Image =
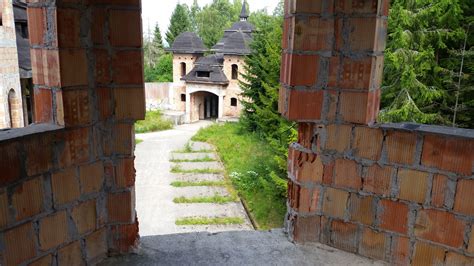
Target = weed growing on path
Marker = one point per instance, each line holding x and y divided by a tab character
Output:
214	199
209	221
176	169
198	184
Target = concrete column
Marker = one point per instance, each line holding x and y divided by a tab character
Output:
221	107
188	108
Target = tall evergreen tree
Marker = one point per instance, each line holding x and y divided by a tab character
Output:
157	38
418	36
179	23
261	85
193	13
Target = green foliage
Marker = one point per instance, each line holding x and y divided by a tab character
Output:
193	12
419	67
162	72
198	184
209	221
179	23
154	121
217	199
199	160
213	19
262	84
177	169
249	162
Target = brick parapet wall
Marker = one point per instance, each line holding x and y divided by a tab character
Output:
67	196
398	192
362	189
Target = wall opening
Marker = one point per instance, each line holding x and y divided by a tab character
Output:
233	101
235	71
183	97
203	74
11	106
183	69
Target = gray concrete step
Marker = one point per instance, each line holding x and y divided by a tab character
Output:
198	177
232	209
190	192
201	146
193	156
189	166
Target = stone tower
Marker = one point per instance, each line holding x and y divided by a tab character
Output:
11	113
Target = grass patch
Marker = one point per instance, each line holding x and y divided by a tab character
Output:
201	160
153	122
198	184
209	221
176	169
249	163
138	141
214	199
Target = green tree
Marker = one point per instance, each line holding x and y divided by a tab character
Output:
418	37
215	18
162	72
261	85
179	23
157	38
193	13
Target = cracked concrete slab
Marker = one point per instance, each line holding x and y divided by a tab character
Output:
187	166
190	192
235	248
200	146
193	156
198	177
231	209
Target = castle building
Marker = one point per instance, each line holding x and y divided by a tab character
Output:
16	87
207	86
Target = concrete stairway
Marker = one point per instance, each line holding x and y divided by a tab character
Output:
198	162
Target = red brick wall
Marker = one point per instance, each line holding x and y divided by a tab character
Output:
67	196
399	192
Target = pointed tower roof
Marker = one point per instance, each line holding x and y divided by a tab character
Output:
244	14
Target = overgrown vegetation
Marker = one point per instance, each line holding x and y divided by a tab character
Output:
188	149
198	160
154	121
429	63
138	141
217	199
198	184
209	221
261	85
249	163
177	169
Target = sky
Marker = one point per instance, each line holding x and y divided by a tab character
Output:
160	11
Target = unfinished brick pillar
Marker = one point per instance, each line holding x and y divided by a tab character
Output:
67	183
394	192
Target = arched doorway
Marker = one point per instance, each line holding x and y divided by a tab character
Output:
11	106
204	105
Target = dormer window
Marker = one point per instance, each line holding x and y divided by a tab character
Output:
203	74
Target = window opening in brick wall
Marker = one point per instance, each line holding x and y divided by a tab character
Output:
183	69
183	97
235	71
233	101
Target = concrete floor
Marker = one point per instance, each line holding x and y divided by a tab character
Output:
159	243
234	248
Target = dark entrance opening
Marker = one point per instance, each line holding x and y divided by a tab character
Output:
211	106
